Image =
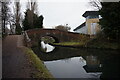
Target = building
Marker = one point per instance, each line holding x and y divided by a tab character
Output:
90	26
81	29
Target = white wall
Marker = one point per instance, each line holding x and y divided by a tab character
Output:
93	30
85	29
82	30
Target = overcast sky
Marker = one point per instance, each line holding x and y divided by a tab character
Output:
61	12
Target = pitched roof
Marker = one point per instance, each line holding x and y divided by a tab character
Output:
80	26
90	13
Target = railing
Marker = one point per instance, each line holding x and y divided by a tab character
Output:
27	37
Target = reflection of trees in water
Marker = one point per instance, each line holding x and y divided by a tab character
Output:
58	53
111	67
65	52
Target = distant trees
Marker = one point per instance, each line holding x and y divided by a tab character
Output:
110	13
35	22
32	20
17	15
5	14
63	27
14	19
96	4
9	18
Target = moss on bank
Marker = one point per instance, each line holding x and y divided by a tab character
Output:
41	70
69	43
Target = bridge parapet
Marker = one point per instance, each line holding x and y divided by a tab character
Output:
27	39
60	36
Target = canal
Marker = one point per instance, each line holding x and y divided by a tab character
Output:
65	62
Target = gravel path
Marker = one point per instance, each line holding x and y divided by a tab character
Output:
14	62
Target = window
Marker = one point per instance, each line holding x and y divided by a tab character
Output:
93	26
92	17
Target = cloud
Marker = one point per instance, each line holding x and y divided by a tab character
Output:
56	13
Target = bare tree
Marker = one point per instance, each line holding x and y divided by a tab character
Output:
32	6
96	4
17	14
5	15
12	22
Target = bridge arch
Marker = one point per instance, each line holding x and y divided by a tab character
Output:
55	38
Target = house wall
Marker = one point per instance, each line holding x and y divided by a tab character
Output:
90	27
82	30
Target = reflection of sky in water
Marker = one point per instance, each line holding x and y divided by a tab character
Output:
48	47
69	68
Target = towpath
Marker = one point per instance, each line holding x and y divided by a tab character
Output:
14	62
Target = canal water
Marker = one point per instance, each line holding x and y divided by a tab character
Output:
70	68
65	62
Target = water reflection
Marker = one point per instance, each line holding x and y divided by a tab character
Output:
46	47
71	69
66	62
111	67
92	64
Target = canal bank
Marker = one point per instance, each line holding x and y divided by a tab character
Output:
92	45
41	70
19	61
95	43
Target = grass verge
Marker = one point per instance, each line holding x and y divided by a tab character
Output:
93	43
68	43
42	71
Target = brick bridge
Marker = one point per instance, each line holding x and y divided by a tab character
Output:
58	35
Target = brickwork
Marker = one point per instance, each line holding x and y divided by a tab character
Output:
58	35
